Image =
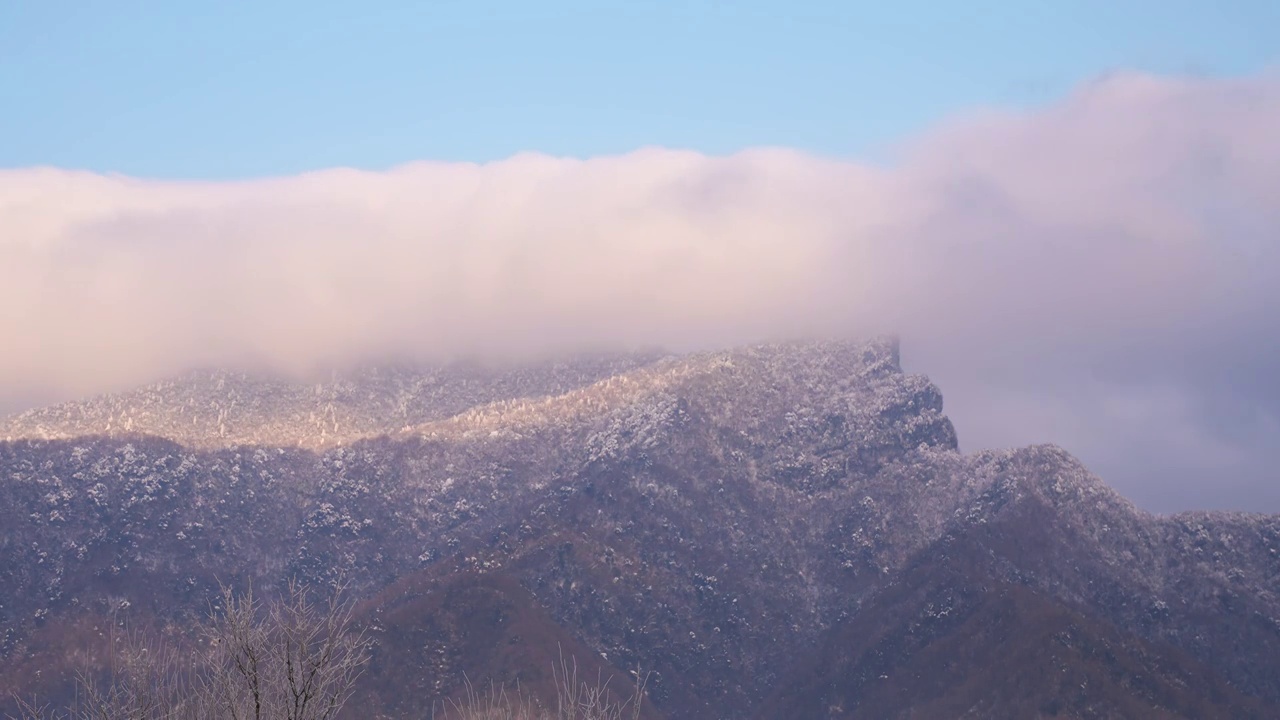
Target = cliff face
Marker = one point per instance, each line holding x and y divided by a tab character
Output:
716	518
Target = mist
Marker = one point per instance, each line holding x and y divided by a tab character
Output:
1100	273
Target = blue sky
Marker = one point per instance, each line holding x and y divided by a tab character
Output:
243	89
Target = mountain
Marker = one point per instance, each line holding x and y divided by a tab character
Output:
782	530
958	635
217	409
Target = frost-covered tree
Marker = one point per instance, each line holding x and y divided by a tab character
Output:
291	658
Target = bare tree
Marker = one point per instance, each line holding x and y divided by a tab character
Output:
579	700
144	680
292	658
575	700
298	660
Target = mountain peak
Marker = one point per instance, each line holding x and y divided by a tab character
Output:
223	408
712	516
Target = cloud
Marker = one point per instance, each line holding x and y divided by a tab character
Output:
1101	273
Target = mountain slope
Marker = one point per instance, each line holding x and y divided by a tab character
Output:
219	409
431	638
954	636
711	517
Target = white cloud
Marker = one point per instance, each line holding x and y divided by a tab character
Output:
1116	250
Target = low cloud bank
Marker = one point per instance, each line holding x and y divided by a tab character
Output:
1101	273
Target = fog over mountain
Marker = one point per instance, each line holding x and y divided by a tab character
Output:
777	531
1100	273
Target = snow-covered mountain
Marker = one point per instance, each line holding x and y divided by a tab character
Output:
721	518
216	408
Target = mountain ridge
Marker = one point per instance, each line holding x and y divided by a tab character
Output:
704	516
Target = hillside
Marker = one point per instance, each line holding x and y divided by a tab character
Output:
721	519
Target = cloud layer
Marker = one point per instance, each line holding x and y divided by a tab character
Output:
1101	273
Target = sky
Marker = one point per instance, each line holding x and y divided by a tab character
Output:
1070	216
251	88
